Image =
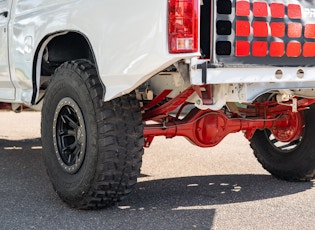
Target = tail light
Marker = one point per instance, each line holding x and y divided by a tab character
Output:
183	26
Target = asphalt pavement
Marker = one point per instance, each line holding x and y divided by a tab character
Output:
181	187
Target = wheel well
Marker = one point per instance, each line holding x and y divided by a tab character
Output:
54	50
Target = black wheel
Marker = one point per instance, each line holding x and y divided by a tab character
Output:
92	149
292	160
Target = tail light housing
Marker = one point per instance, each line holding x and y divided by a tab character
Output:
183	26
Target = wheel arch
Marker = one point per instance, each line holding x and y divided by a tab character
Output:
53	50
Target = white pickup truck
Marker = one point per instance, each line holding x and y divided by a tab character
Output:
110	75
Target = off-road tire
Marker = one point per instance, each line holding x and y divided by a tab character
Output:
294	161
92	149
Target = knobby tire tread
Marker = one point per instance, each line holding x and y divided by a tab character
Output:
296	165
119	143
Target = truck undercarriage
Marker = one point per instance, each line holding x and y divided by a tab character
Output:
206	128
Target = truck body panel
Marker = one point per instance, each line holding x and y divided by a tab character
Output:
127	52
7	91
132	51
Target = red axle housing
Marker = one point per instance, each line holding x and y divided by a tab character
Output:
207	128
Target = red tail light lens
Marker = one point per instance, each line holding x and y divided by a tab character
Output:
183	26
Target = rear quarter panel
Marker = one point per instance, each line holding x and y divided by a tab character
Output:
128	38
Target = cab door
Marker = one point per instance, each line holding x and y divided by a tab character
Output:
7	91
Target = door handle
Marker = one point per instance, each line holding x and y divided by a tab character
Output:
4	14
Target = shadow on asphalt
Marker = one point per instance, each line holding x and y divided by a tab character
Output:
27	200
